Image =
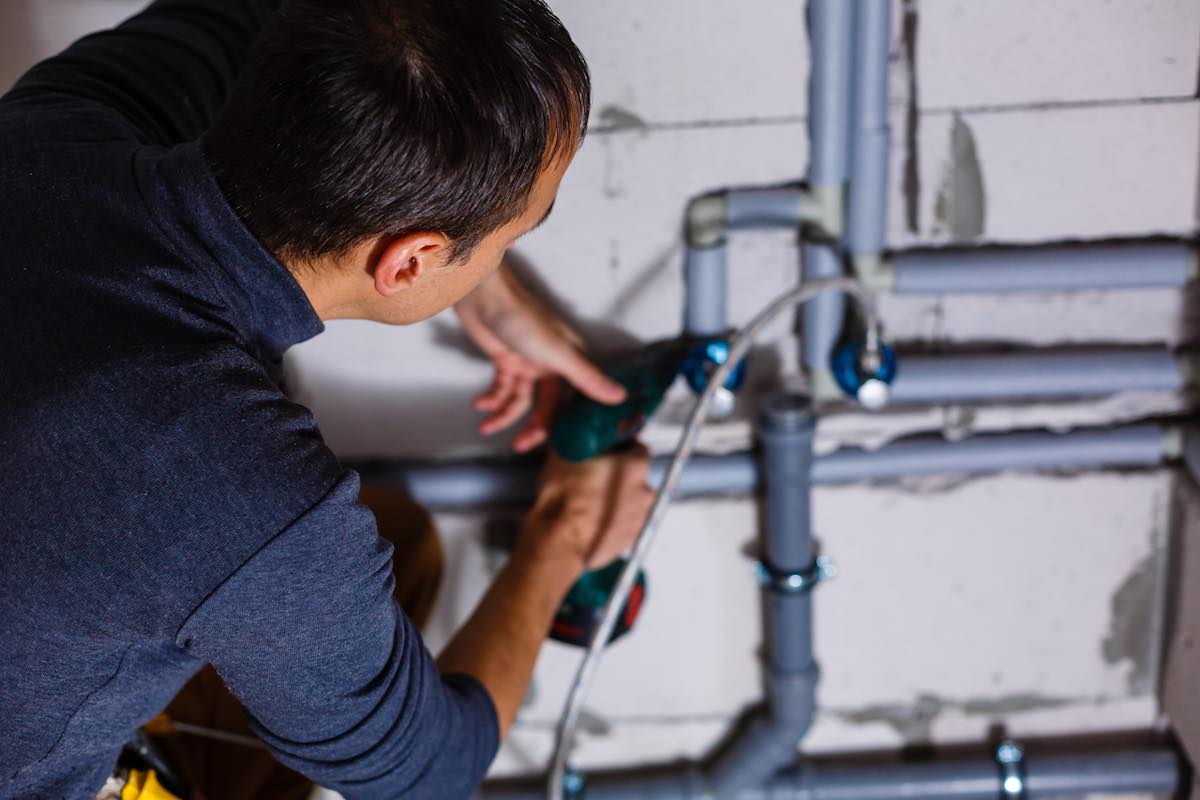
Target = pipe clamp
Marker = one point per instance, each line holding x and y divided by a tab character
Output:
1010	757
802	582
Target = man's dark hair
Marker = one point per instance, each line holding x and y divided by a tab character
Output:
362	118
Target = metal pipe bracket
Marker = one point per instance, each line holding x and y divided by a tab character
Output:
802	582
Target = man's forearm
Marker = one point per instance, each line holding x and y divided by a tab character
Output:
499	644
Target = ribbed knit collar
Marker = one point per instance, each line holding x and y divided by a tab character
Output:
267	306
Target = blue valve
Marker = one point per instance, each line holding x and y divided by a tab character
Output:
704	359
868	384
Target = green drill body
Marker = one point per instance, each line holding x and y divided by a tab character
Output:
583	429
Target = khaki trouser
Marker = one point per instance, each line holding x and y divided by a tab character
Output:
224	771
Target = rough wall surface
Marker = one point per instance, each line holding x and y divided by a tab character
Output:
1031	601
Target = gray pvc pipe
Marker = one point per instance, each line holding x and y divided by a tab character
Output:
773	207
830	32
866	216
1154	771
458	485
1044	269
1096	773
510	483
831	45
769	742
1016	376
1157	772
705	311
678	782
826	313
786	428
1126	446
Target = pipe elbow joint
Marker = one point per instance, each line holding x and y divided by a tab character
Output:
792	702
875	273
823	210
704	220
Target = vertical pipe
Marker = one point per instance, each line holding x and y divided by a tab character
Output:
866	216
705	311
769	743
786	426
830	24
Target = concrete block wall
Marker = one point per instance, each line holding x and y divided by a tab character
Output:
1032	601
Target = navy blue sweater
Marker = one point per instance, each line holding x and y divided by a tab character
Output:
162	503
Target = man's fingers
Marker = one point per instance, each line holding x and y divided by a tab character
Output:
530	437
497	393
637	470
516	406
537	429
585	376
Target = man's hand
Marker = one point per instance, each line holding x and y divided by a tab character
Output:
530	349
593	509
585	515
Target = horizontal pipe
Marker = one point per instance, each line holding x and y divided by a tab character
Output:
773	207
1044	269
1127	446
510	483
1154	771
1040	375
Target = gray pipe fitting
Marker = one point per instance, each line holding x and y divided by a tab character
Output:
704	221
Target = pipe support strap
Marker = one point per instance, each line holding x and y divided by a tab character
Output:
802	582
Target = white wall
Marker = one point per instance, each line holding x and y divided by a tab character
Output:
1028	600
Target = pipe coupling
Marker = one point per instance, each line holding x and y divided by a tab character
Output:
704	224
875	273
824	211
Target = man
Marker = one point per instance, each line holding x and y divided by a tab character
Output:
162	503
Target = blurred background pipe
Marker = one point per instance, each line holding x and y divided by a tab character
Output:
1039	375
831	38
510	483
1146	265
1096	773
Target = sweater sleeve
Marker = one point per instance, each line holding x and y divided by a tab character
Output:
163	74
335	679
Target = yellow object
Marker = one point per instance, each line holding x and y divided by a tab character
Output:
145	786
159	726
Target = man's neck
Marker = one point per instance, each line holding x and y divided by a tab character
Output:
328	286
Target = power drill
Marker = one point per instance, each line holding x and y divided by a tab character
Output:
584	429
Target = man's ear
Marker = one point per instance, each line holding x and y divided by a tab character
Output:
402	261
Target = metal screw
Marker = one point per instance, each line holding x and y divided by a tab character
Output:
1009	752
573	782
826	568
